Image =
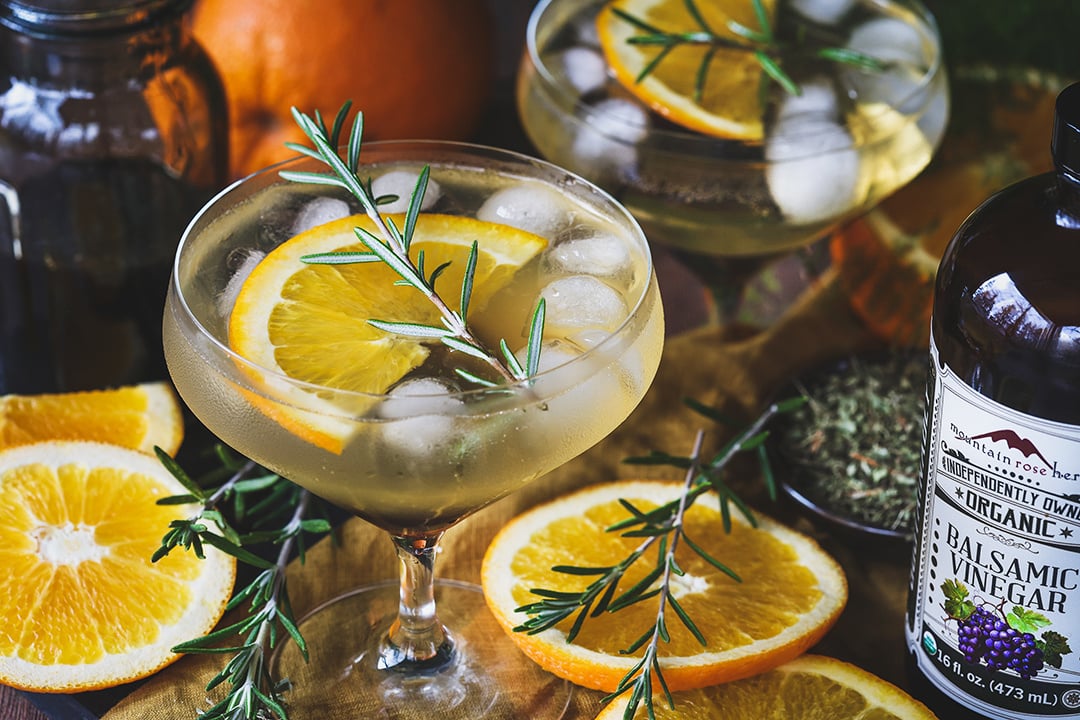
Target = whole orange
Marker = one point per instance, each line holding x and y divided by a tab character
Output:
416	68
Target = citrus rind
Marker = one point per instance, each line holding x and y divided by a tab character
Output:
137	416
814	684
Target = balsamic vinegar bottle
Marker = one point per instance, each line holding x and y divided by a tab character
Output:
993	617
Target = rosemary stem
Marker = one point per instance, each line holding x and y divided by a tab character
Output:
461	330
754	428
676	532
264	639
227	486
452	320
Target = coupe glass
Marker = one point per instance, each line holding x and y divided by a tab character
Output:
727	207
415	463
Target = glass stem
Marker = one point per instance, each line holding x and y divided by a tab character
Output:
417	641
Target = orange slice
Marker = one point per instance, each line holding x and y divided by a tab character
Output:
791	591
810	687
730	105
137	417
81	605
310	322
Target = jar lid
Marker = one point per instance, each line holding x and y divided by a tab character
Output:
1065	140
78	17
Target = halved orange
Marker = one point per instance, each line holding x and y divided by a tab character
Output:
135	416
310	322
730	104
811	687
81	605
791	591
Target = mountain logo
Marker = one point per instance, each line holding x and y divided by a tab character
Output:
1015	442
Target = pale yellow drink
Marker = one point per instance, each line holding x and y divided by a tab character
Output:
418	460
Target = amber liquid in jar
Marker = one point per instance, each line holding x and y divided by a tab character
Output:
993	620
82	293
113	133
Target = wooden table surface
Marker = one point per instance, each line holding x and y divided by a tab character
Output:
14	706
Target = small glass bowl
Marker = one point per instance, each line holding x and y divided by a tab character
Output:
851	456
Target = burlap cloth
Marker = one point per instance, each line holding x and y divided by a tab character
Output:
736	375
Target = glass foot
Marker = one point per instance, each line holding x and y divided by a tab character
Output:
488	677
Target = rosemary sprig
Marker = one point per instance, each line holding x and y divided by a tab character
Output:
770	51
393	246
280	514
661	528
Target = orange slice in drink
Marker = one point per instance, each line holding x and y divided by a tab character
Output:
310	322
730	102
81	605
137	417
791	592
811	687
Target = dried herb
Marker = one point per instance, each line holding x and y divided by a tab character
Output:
854	449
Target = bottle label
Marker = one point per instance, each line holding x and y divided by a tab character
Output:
994	609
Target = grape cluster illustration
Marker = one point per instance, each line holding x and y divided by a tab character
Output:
1002	640
986	636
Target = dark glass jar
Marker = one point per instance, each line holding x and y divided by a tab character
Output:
113	133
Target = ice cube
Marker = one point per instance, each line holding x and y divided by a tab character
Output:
420	415
244	265
552	355
817	99
555	354
601	254
904	50
889	40
605	146
317	212
530	207
619	118
813	170
572	387
584	69
583	30
936	115
603	160
420	396
402	183
589	338
826	12
581	301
